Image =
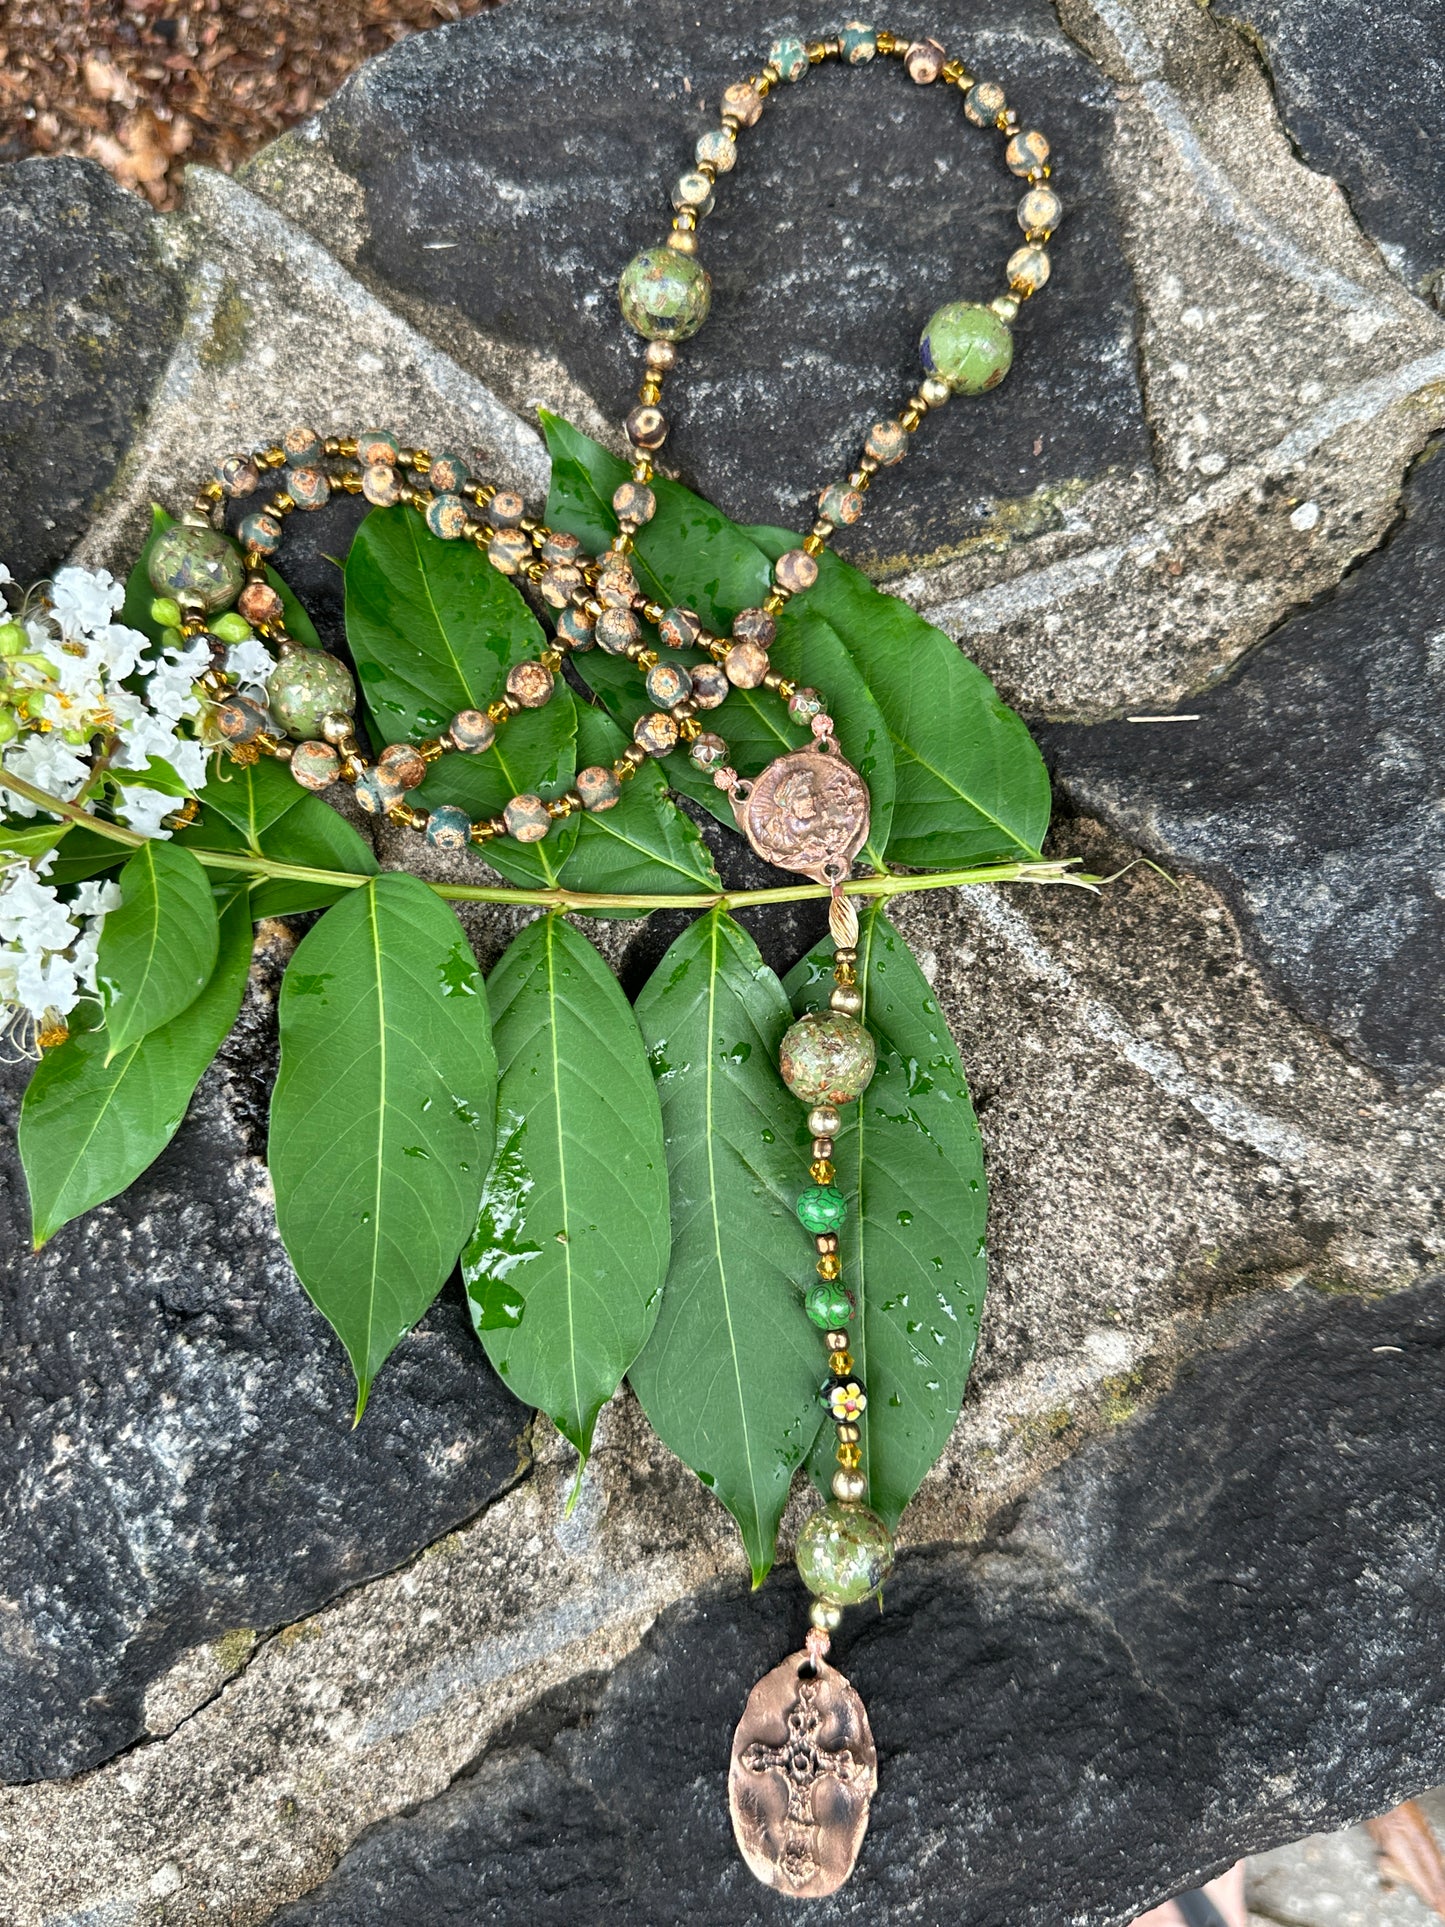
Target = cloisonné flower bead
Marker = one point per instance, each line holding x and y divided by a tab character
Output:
240	720
380	484
709	685
598	788
574	627
530	684
195	565
886	442
237	474
258	602
1027	269
923	62
804	705
746	664
402	763
448	474
860	42
795	571
984	102
302	446
844	1553
667	683
827	1057
615	631
315	765
707	751
308	488
840	504
656	732
509	549
679	629
828	1305
822	1207
1040	209
376	793
742	102
664	295
375	448
755	625
305	686
446	516
718	150
845	1399
1025	152
506	509
968	346
448	828
526	818
472	731
260	531
789	56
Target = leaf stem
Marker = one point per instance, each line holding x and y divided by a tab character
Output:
886	885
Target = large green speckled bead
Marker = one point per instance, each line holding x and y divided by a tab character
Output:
827	1057
195	565
306	686
844	1553
664	295
967	346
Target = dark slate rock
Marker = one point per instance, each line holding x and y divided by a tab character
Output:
1215	1630
1359	90
541	142
1309	791
176	1452
91	314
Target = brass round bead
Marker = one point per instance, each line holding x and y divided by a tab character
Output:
825	1615
824	1121
822	1147
661	356
846	999
849	1488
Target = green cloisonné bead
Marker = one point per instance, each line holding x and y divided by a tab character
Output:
822	1207
828	1305
305	687
195	565
968	346
449	828
844	1553
446	516
827	1057
664	295
860	42
448	474
789	56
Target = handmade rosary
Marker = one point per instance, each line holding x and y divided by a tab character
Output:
803	1763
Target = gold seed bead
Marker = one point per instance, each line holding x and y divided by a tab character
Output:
645	658
273	457
956	74
816	50
653	612
481	832
213	491
821	1171
849	1433
682	241
837	1342
822	1148
281	503
911	417
787	690
826	1241
830	1266
840	1363
558	808
850	1456
886	43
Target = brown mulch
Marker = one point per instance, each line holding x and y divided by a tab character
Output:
147	86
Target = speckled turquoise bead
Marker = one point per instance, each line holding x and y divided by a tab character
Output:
195	565
574	627
448	828
1040	210
380	484
789	56
828	1305
664	295
679	629
718	149
472	731
668	683
860	42
448	474
301	445
840	505
844	1553
308	487
822	1207
615	631
827	1057
315	765
306	686
886	442
237	474
968	346
655	732
446	516
526	818
375	446
598	788
984	102
376	793
261	532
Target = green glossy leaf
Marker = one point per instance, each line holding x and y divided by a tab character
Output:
910	1163
383	1117
158	949
26	838
730	1377
565	1271
91	1122
433	627
535	753
139	593
644	844
252	796
83	853
311	834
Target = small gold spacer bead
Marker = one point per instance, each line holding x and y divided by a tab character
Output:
689	729
886	43
821	1171
850	1456
956	74
816	50
481	833
647	659
814	544
844	973
432	748
775	604
281	503
830	1265
642	471
347	445
273	457
787	690
560	807
840	1363
498	712
406	817
650	392
682	241
551	659
213	491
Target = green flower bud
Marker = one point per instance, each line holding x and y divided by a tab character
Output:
9	728
166	612
30	704
231	627
75	737
12	638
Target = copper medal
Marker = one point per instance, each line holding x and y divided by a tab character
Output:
807	812
803	1774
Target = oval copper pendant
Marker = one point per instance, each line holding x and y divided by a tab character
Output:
807	812
802	1778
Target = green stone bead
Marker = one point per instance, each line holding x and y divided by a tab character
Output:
664	295
844	1553
822	1207
967	346
828	1305
195	565
827	1057
305	687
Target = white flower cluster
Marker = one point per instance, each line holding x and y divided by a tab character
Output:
48	947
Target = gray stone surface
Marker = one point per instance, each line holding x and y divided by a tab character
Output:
1364	108
1334	1880
178	1473
91	313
